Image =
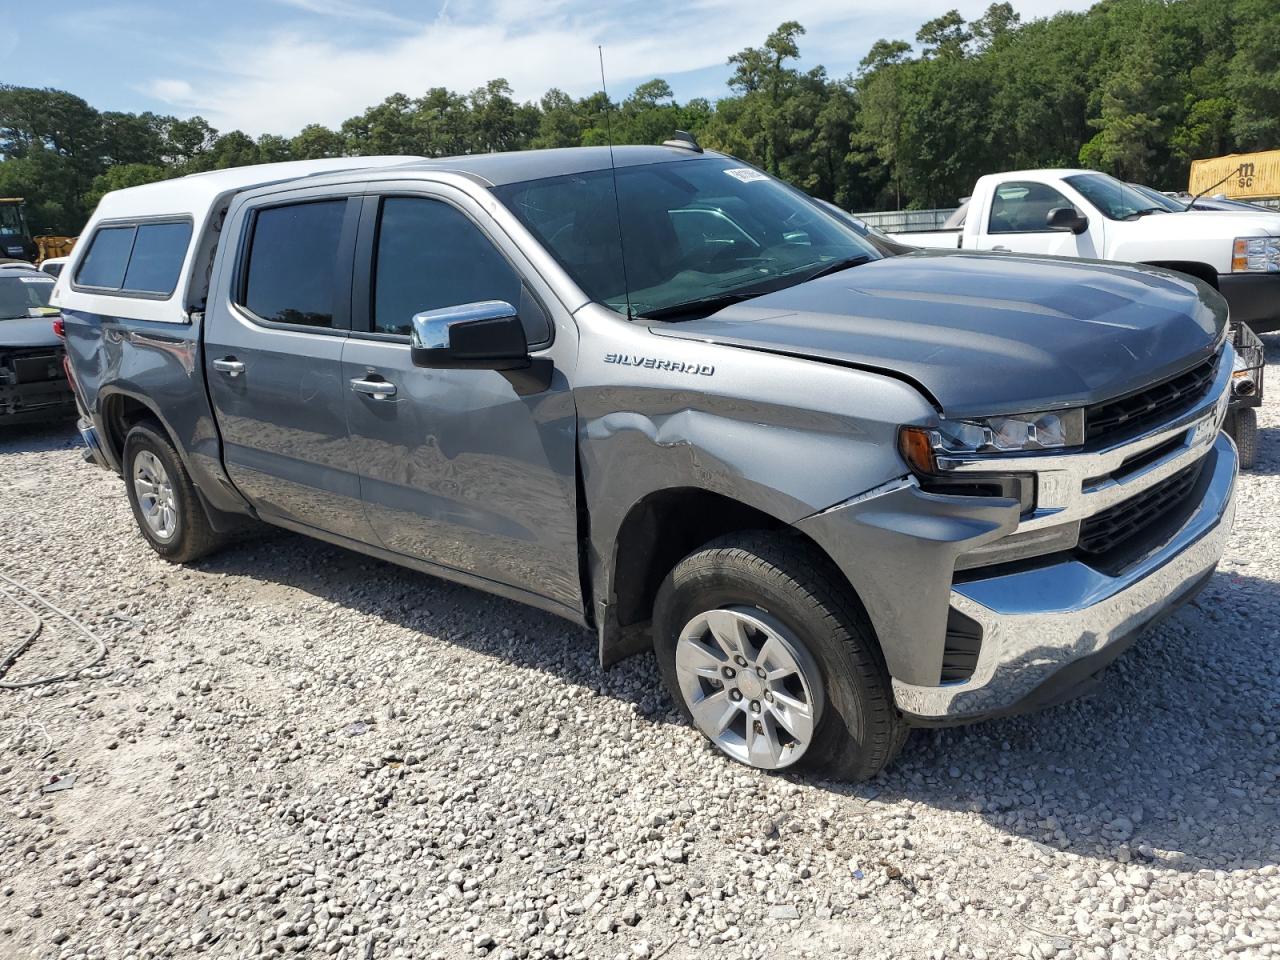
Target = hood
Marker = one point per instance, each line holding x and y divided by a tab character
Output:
985	334
1205	225
28	332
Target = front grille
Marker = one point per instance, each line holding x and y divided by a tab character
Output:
1102	532
1151	405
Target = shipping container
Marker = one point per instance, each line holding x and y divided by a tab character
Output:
1249	176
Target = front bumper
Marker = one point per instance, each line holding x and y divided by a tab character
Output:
1040	625
1254	298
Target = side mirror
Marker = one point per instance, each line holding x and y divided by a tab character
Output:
1066	218
487	335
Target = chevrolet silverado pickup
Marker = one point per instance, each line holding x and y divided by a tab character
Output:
660	393
1083	213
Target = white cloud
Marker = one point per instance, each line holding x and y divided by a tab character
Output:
346	10
178	92
289	79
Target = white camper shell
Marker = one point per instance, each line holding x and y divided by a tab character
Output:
199	200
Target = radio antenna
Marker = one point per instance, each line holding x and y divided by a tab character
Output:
613	170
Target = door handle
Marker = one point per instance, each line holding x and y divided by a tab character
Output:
1005	249
229	365
378	389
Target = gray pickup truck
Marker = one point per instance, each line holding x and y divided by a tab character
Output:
838	494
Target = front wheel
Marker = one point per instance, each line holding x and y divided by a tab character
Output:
764	648
1243	427
164	500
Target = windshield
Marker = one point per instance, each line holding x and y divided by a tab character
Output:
1159	199
22	297
1116	199
11	224
694	232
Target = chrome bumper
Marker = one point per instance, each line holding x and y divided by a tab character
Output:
1037	622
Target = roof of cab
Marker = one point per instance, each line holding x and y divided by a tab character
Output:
197	192
497	169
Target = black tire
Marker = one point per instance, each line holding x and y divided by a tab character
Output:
860	730
193	537
1244	431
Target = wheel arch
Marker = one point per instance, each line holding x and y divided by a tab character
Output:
1194	268
657	532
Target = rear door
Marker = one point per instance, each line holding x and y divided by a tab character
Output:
273	359
1015	220
457	468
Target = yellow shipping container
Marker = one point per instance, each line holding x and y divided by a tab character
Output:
1249	176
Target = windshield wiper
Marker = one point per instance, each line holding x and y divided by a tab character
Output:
1144	211
835	266
703	305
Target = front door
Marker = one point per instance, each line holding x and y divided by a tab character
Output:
273	359
456	467
1017	222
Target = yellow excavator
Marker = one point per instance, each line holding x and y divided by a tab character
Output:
16	241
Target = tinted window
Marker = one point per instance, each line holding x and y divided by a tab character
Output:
1023	207
292	272
158	252
108	258
429	256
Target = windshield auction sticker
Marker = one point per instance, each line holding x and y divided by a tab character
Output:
746	174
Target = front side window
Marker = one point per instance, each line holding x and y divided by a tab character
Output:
1024	207
1114	198
693	232
292	271
429	256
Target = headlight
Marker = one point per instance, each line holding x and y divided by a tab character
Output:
921	446
1256	255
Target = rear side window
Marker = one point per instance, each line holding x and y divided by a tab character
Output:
108	258
156	261
144	258
292	271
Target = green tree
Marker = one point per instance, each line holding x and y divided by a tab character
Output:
316	141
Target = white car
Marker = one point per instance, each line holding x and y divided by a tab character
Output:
1083	213
53	266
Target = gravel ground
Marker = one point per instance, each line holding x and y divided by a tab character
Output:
292	749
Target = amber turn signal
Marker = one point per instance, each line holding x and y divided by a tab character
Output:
916	446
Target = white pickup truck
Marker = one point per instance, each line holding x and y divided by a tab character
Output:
1083	213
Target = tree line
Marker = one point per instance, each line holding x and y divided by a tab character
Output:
1137	88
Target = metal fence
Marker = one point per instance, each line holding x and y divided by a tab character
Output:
906	221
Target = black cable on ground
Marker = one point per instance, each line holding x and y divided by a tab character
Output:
100	646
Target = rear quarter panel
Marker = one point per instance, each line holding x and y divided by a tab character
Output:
158	365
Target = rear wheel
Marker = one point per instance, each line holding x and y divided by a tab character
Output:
769	656
164	500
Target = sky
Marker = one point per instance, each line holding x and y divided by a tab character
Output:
273	66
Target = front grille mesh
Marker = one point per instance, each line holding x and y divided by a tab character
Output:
1150	406
1106	530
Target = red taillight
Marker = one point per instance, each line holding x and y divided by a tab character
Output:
59	328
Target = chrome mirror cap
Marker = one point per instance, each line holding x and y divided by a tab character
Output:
430	329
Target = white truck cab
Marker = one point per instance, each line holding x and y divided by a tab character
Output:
1084	213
